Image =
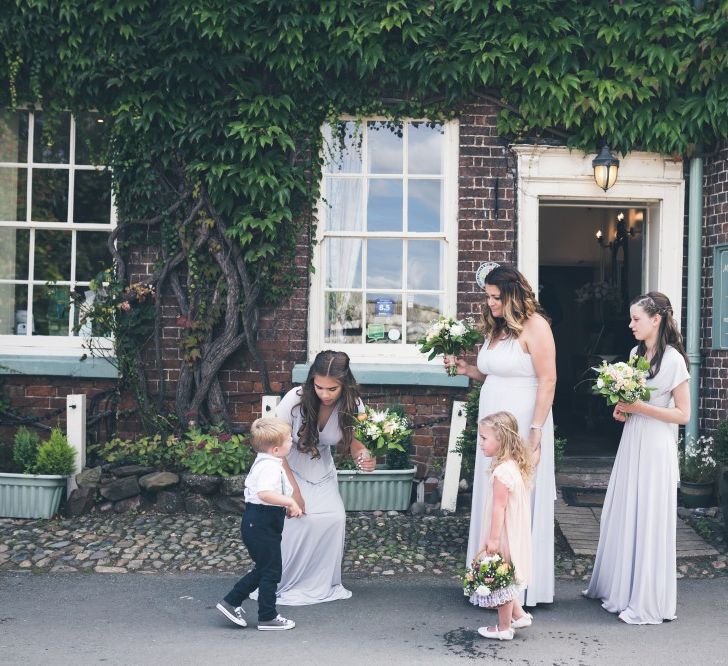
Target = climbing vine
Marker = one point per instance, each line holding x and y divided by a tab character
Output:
214	110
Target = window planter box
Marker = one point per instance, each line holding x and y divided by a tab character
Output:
380	490
695	495
30	495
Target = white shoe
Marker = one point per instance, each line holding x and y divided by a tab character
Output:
526	620
494	632
278	623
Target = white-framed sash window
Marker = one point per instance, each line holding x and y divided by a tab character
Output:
386	258
56	213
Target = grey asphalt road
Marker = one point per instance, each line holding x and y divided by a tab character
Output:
171	619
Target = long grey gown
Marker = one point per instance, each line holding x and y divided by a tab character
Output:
510	385
313	545
634	571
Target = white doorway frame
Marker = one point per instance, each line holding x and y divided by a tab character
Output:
550	174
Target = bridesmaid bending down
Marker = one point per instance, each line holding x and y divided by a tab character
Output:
634	571
321	414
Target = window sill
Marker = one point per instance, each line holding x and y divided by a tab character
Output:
57	366
414	374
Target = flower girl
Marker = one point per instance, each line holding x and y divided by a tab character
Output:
506	520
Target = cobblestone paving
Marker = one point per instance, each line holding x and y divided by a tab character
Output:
378	544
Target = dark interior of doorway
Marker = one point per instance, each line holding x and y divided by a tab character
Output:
586	281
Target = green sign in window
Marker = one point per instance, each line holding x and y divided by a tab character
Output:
720	297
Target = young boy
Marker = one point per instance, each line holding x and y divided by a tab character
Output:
267	500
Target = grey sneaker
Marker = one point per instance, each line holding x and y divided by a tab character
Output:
278	623
233	614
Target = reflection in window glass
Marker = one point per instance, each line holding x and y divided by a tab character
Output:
343	317
422	310
425	146
51	138
90	130
13	136
13	309
343	265
342	147
384	264
50	195
83	325
14	244
384	319
52	255
424	264
424	202
13	194
51	307
384	204
342	199
92	197
92	254
385	145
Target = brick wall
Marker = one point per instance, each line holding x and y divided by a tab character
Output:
714	370
486	228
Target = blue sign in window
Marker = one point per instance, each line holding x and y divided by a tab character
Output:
720	297
384	307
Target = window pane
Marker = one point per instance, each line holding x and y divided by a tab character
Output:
13	309
83	298
92	254
384	205
13	191
50	195
384	264
343	257
51	306
342	147
342	198
92	197
385	145
14	254
384	319
422	310
424	203
424	266
13	136
51	138
90	130
425	148
52	255
343	317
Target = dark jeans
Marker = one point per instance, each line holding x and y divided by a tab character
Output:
261	530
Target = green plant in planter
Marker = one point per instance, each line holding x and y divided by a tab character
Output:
155	451
697	462
25	451
56	456
216	453
720	442
396	459
467	443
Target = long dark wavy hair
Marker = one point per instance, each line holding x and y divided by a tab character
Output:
519	303
335	365
656	303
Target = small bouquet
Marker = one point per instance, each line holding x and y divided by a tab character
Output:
626	382
450	336
381	430
490	574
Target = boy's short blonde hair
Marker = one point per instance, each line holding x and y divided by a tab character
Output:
268	432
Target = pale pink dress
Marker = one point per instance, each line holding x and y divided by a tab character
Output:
515	540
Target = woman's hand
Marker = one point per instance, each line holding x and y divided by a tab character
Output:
629	407
365	461
618	415
298	500
452	361
534	439
294	509
491	547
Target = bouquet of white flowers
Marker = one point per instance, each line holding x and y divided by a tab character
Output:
697	460
450	336
488	575
381	430
625	382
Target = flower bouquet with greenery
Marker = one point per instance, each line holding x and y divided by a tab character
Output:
698	462
450	336
381	430
625	382
489	579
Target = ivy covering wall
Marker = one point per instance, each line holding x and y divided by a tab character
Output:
214	111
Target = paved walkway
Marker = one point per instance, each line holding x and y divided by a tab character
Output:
580	527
